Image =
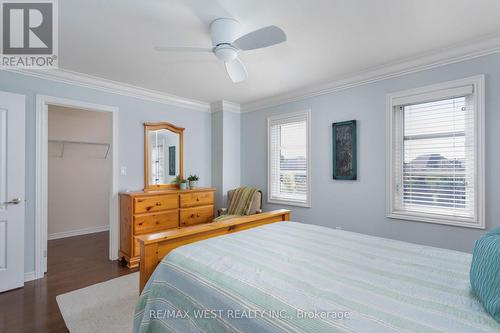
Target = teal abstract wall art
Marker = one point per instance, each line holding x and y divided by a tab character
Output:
344	145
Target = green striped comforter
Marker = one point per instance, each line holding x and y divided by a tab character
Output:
293	277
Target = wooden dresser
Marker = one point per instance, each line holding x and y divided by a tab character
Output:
154	211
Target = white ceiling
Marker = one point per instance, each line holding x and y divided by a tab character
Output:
327	39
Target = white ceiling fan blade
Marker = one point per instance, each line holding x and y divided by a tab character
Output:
236	70
182	49
257	39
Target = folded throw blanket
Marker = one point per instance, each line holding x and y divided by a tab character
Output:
240	202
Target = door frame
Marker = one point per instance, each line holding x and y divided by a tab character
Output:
41	183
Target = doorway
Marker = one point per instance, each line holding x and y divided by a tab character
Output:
79	171
76	180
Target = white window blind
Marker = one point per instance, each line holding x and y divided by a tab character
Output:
288	159
438	158
435	166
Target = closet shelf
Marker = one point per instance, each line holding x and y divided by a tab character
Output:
69	142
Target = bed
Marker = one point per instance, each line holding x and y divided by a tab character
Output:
294	277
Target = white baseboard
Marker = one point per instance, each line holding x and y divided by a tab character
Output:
29	276
78	232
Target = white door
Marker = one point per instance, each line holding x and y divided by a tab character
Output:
12	163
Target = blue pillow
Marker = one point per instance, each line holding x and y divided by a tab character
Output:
485	272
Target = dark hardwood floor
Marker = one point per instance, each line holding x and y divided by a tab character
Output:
73	263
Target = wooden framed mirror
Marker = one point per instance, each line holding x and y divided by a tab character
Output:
163	153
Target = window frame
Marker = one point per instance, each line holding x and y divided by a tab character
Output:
270	121
427	94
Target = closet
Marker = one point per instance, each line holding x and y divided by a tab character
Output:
79	171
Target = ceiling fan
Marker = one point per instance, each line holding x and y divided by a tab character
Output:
227	43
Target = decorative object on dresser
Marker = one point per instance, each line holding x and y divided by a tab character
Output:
146	212
193	181
180	182
183	185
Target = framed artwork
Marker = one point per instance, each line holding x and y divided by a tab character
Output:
171	161
344	150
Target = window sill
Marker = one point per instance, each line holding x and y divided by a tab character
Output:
428	218
289	203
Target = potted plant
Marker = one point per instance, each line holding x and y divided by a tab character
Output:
183	185
193	181
181	182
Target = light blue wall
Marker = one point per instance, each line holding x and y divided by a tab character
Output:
132	113
360	205
232	154
226	168
217	156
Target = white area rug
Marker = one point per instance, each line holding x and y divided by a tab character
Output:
103	307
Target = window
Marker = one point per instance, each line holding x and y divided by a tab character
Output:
289	167
436	154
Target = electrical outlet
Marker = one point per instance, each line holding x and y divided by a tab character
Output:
123	171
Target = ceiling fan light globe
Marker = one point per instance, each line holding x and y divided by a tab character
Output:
226	53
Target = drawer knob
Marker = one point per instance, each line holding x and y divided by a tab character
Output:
192	215
197	199
158	203
157	222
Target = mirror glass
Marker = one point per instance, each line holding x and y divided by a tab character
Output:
164	163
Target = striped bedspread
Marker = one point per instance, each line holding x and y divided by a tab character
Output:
293	277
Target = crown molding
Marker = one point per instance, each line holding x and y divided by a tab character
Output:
454	54
113	87
226	106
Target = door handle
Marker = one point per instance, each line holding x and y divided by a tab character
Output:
15	201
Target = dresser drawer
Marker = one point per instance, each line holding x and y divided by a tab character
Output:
156	222
196	215
196	199
156	203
